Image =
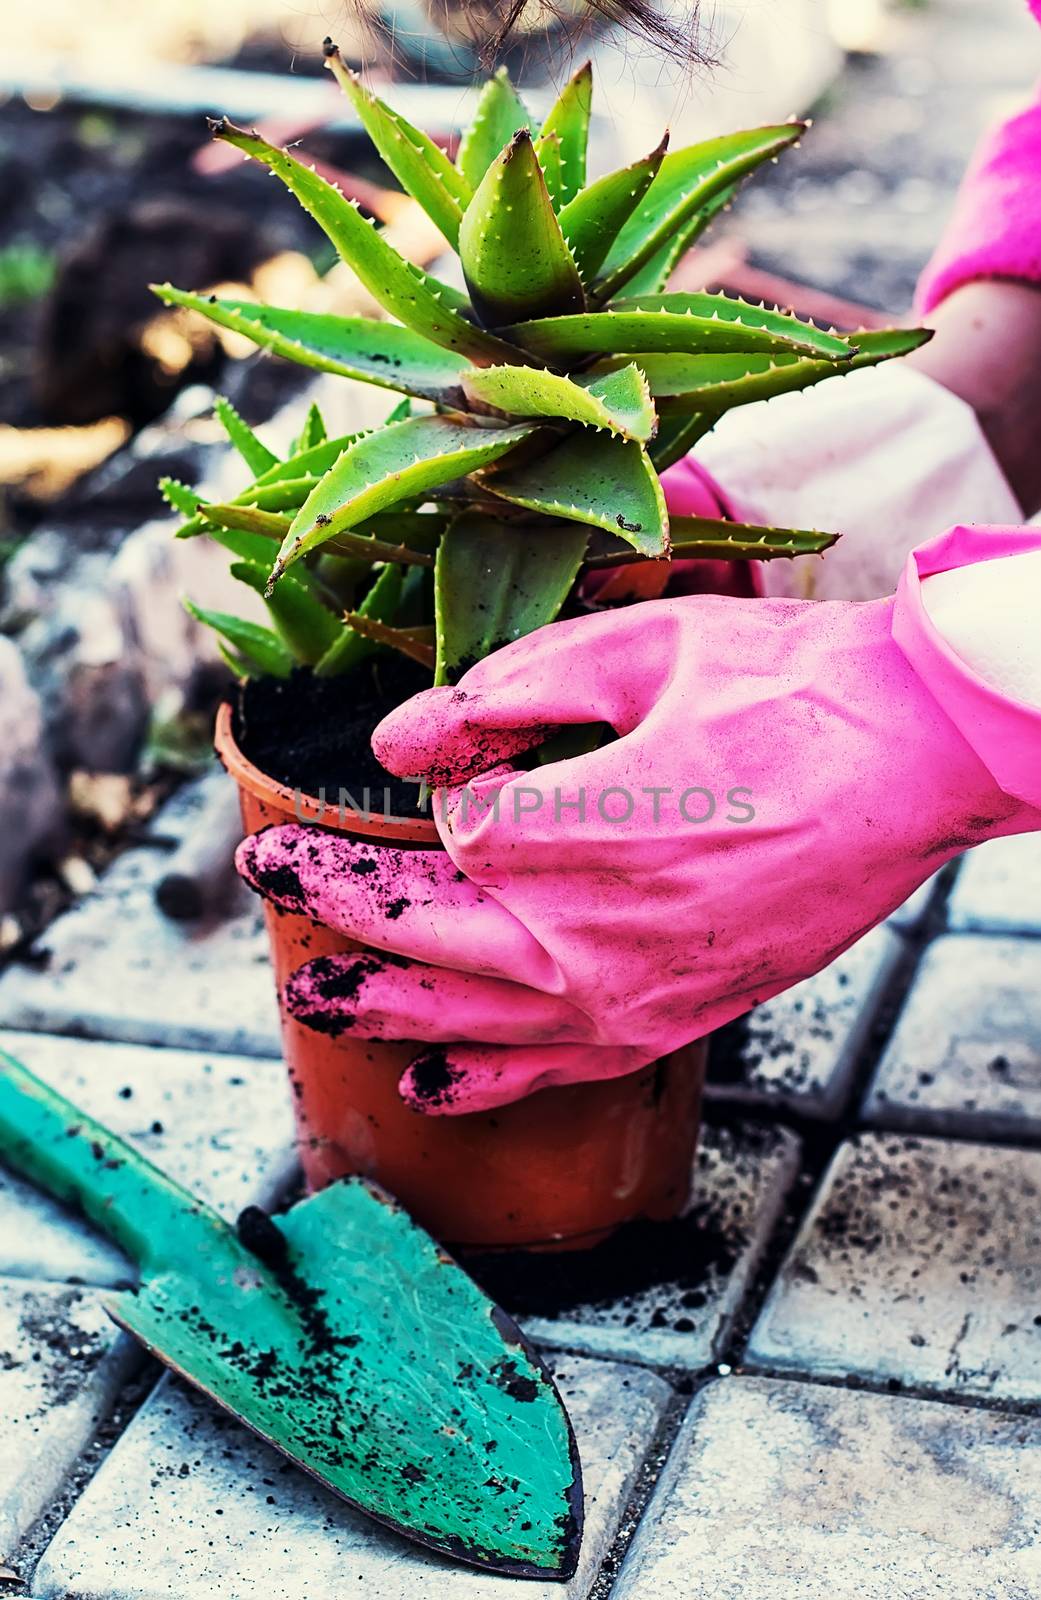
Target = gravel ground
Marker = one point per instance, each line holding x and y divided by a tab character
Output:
859	207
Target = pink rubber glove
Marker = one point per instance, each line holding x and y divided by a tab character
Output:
995	231
814	763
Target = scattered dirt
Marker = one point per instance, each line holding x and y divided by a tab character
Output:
47	1323
313	733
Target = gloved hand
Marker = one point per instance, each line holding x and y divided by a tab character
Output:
785	775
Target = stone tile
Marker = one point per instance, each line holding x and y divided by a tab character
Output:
119	969
919	1263
800	1050
790	1491
189	1504
221	1125
62	1363
999	887
666	1294
965	1056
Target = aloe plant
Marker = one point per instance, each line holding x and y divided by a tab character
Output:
539	408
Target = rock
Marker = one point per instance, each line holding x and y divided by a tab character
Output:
30	800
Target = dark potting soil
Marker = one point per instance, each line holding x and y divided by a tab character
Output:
313	733
678	1258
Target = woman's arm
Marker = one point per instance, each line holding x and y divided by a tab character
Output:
987	350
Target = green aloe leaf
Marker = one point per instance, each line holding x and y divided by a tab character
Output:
887	344
238	665
420	301
180	497
688	180
389	466
284	487
677	435
717	383
500	113
419	530
313	431
591	221
702	538
619	401
547	154
253	451
281	494
420	166
677	324
656	271
753	328
254	508
309	463
248	520
305	626
417	643
381	604
257	548
608	483
381	353
568	120
258	646
494	584
253	535
515	260
706	539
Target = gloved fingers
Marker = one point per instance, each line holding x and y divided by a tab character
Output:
449	1080
691	491
414	902
381	996
580	671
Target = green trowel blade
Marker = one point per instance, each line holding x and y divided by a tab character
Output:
382	1370
338	1331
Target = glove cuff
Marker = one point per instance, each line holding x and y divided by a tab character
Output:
995	231
1004	733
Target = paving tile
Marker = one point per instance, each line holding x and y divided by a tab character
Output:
919	1263
792	1491
800	1050
119	969
666	1294
221	1125
998	887
965	1056
190	1505
62	1363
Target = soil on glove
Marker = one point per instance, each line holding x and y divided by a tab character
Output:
313	733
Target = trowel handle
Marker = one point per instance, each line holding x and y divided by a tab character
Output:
51	1142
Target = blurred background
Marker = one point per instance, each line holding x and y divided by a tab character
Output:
108	180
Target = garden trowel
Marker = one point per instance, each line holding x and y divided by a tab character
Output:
338	1331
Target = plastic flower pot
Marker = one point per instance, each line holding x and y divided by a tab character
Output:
560	1169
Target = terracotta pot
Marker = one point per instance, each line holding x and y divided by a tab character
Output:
559	1169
